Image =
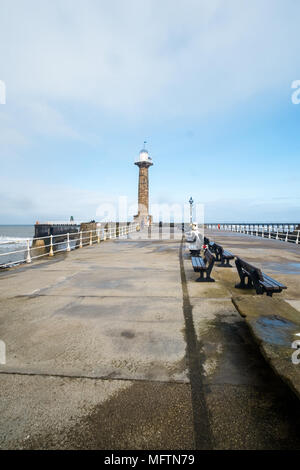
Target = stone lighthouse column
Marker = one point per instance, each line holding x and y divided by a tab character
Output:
144	162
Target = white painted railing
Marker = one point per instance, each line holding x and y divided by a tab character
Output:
71	240
282	232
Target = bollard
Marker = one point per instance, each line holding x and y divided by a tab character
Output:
51	246
277	235
28	258
160	230
287	236
98	236
80	239
68	242
91	239
297	240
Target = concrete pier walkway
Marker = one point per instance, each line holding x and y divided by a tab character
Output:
115	346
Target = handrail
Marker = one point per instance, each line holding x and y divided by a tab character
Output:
280	232
84	237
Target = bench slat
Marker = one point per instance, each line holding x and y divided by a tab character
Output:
273	280
198	263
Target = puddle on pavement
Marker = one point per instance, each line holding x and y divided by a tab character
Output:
286	268
275	330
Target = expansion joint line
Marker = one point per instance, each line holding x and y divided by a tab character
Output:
202	431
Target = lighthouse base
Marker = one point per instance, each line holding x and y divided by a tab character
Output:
143	219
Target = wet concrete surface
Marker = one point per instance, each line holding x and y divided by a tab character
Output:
115	346
275	329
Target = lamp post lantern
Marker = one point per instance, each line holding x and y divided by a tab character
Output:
191	210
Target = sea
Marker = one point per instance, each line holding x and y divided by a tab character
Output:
14	238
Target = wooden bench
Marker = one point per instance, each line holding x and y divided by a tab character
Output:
204	265
206	241
221	255
256	279
211	246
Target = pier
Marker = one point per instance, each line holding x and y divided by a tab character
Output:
115	346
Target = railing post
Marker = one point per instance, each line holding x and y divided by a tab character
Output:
287	236
91	239
68	242
297	239
28	257
80	239
98	236
277	234
51	246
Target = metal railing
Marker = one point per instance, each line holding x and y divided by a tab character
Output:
50	245
283	232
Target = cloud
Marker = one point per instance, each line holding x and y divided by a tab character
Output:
151	56
51	202
242	210
20	124
46	120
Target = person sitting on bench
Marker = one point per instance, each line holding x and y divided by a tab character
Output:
194	240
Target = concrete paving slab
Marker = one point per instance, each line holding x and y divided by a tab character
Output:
34	406
294	303
121	282
111	337
28	282
245	417
62	413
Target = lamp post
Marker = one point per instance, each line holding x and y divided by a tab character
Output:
191	210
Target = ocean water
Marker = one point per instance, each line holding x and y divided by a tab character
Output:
14	238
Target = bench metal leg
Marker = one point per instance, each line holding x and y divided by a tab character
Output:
201	278
243	284
225	265
207	278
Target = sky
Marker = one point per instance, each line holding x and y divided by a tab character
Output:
207	83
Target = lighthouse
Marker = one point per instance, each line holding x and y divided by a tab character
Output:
144	162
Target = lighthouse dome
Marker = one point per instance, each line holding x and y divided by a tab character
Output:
144	155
